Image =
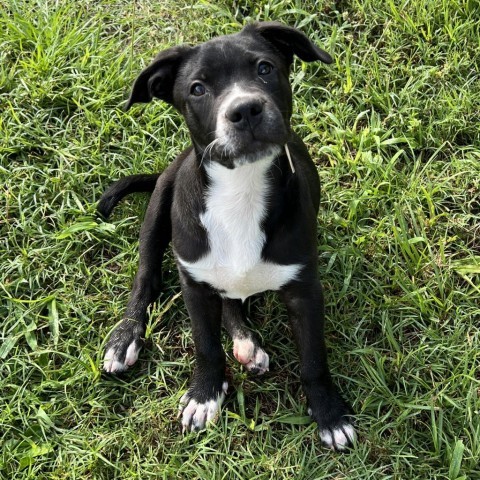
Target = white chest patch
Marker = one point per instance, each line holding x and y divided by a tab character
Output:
235	208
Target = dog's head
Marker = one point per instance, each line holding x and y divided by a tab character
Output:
233	90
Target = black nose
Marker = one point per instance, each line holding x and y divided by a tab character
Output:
244	113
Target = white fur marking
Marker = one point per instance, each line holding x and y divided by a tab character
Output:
338	438
195	416
235	208
112	364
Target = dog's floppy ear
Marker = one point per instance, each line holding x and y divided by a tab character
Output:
158	78
290	41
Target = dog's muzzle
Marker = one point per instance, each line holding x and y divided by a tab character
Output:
249	126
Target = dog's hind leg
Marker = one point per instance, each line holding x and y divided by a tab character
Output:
127	338
246	347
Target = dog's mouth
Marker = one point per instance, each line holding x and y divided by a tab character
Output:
233	154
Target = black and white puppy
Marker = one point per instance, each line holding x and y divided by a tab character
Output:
240	207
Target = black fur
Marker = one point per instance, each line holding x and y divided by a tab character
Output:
123	187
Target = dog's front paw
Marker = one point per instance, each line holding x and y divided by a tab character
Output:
196	413
339	437
335	424
251	355
123	346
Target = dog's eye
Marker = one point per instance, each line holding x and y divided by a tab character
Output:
264	68
197	89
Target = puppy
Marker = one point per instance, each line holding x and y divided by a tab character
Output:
240	208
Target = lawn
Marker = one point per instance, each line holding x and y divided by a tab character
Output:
394	128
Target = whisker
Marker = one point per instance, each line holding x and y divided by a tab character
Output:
207	150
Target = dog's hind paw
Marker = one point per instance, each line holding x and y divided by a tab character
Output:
250	355
195	414
123	347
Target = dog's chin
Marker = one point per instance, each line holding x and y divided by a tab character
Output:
268	153
233	156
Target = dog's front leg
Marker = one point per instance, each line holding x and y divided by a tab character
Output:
201	404
326	406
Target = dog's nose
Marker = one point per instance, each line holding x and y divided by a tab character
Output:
244	113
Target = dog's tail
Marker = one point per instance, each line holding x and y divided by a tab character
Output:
123	187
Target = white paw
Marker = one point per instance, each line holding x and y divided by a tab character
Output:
252	357
338	438
112	362
195	416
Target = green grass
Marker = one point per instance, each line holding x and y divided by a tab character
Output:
394	126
